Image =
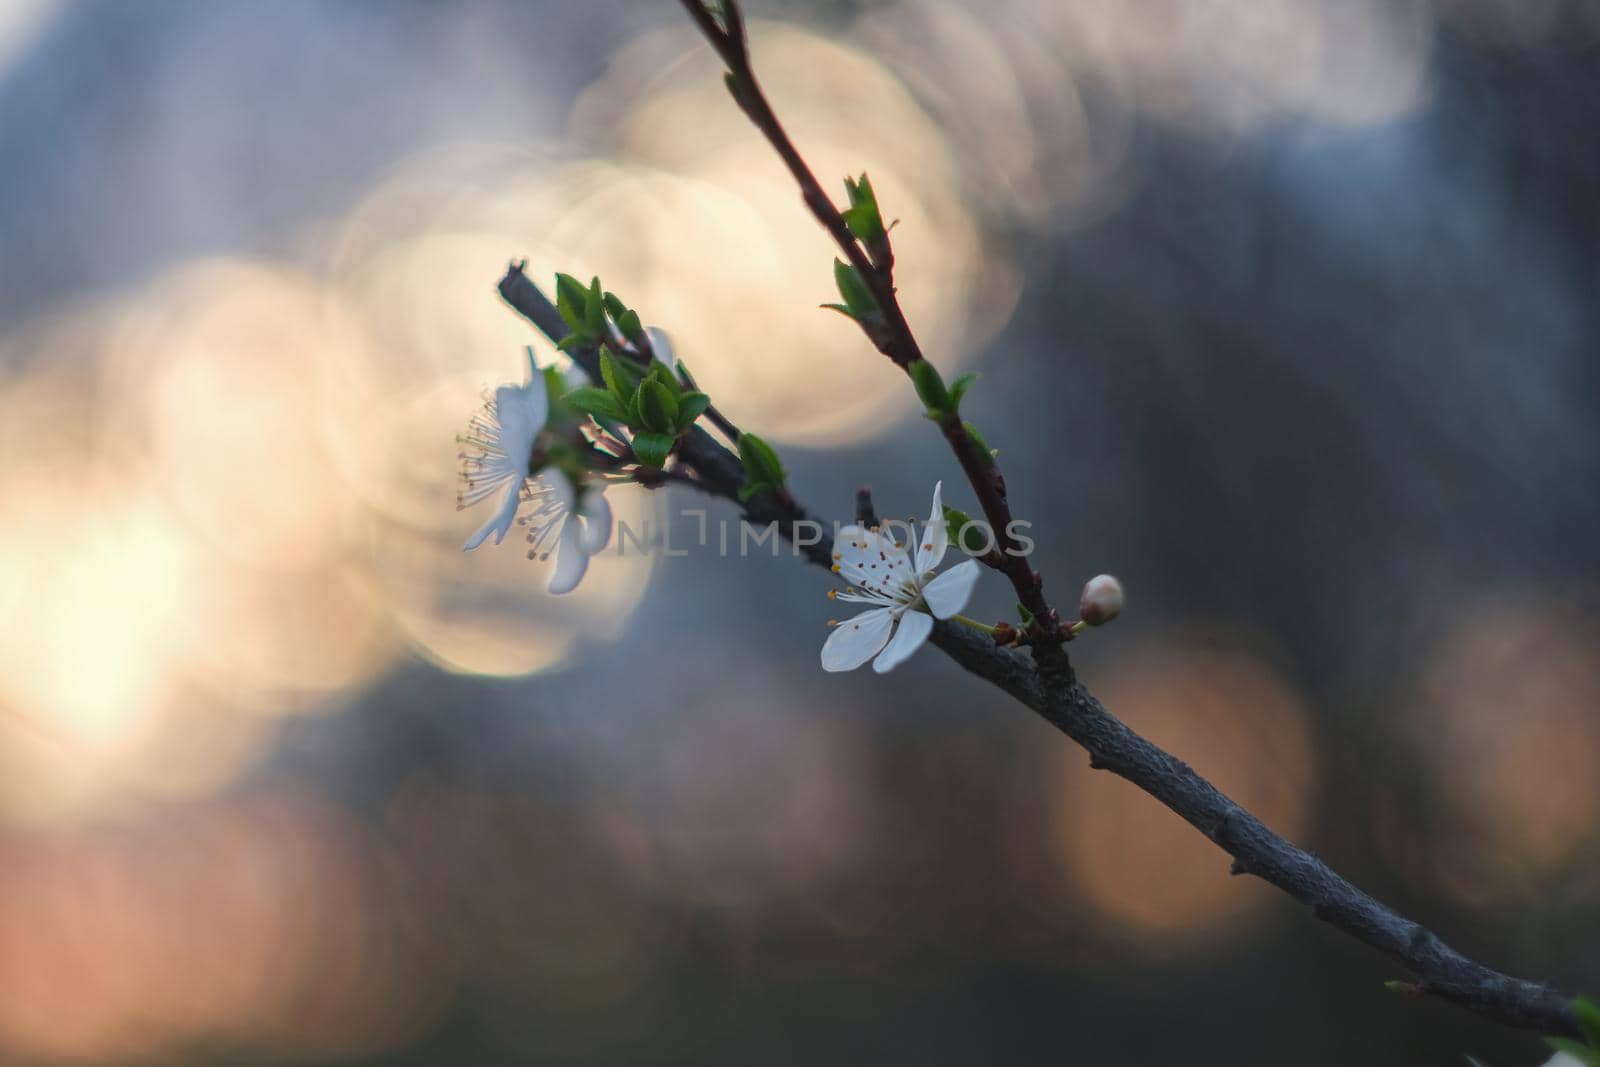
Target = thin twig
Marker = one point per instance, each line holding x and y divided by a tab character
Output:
892	335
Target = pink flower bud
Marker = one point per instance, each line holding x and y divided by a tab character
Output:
1101	601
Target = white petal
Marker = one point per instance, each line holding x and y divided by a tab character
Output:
597	521
520	410
913	630
661	345
501	521
854	641
949	593
935	538
571	559
554	487
872	560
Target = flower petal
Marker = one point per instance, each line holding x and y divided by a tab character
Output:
501	520
597	521
520	410
935	538
871	559
556	490
571	560
854	641
949	593
913	630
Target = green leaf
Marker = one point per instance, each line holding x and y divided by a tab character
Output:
660	372
857	297
691	406
1025	615
841	309
593	401
658	408
571	342
554	383
653	448
862	215
572	300
615	307
594	311
930	387
628	322
964	532
1582	1053
1588	1018
761	466
958	389
616	379
986	454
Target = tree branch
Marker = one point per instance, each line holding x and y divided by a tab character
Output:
1047	683
1056	695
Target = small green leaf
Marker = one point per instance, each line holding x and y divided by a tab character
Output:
615	378
572	300
930	387
761	464
660	372
857	297
962	530
841	309
571	343
691	406
594	311
653	448
615	307
593	401
862	215
628	322
958	389
658	408
1025	615
979	443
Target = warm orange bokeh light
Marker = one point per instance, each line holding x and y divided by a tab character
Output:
1149	878
274	920
1504	721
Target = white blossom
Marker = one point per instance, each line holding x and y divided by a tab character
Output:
498	451
902	586
572	533
570	523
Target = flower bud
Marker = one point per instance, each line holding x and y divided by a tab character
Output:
1101	601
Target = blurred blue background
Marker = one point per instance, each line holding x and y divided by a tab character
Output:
1287	311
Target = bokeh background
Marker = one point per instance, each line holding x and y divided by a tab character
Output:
1288	312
